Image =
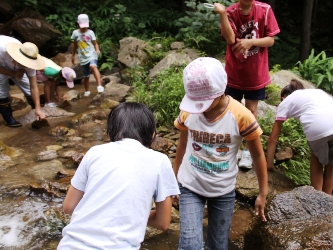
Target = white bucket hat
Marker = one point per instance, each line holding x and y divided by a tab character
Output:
204	80
26	54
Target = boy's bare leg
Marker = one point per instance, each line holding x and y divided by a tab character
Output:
47	91
86	83
328	179
316	173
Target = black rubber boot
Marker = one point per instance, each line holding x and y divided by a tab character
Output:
30	101
7	114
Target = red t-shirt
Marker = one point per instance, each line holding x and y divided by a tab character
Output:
251	73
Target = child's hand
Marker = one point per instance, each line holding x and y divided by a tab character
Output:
219	8
260	207
242	47
98	52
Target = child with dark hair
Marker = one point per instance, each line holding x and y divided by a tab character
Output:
112	190
311	107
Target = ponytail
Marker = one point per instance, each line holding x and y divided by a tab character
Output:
291	87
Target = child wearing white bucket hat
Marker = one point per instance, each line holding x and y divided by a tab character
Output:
51	75
212	126
85	44
19	62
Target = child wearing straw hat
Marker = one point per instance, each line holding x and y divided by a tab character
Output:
51	75
19	63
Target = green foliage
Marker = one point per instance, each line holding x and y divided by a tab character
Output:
273	94
318	70
200	28
292	135
163	94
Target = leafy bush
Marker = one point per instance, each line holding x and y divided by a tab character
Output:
292	135
200	28
162	94
318	70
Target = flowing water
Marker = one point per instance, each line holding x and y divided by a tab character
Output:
23	214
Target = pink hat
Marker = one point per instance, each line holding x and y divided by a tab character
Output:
204	79
83	21
69	75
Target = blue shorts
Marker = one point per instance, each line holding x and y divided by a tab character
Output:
238	94
86	67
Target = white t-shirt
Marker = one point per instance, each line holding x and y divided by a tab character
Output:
85	46
6	60
311	107
119	181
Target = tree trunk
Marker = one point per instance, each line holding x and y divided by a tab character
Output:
306	30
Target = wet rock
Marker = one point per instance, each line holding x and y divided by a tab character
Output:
47	155
298	219
65	105
72	95
109	104
17	103
61	131
89	117
56	220
49	113
65	173
45	171
54	147
41	123
43	189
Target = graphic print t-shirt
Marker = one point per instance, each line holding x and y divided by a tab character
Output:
209	165
86	49
250	73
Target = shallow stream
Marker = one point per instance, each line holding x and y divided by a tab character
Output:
22	214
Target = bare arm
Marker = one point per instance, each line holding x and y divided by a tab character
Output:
96	47
74	51
35	97
12	73
226	29
181	148
73	197
271	144
259	161
160	218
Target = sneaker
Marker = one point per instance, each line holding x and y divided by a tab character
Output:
246	160
51	105
87	93
100	89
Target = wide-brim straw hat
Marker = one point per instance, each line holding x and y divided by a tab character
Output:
26	54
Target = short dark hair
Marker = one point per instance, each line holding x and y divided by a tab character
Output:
291	87
132	120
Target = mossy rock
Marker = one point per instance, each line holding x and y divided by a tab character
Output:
273	94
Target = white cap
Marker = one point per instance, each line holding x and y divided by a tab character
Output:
83	20
204	79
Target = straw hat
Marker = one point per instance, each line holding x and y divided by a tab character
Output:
26	54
